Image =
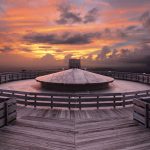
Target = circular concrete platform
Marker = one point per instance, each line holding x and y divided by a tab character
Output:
115	87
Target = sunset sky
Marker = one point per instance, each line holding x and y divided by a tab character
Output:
49	32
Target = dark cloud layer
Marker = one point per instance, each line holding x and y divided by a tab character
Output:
127	3
5	49
67	16
145	18
65	38
124	57
91	15
104	51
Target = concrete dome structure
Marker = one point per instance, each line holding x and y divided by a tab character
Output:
74	80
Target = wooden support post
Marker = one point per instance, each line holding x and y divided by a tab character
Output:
35	101
146	116
136	95
26	103
147	79
6	113
97	102
12	77
5	78
16	76
13	94
22	76
123	99
9	78
51	102
147	93
138	78
114	101
1	92
80	103
143	79
69	103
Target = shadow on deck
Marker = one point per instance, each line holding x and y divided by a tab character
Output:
46	129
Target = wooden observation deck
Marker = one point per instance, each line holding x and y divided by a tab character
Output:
46	129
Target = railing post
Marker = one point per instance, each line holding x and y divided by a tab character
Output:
35	101
97	102
114	101
26	103
80	102
0	79
16	76
143	78
69	103
51	102
123	96
136	95
12	77
146	116
6	113
1	92
136	77
147	79
13	94
5	78
147	93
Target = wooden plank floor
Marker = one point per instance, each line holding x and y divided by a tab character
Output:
46	129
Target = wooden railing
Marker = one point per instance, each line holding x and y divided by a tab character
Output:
142	111
14	76
137	77
74	100
7	110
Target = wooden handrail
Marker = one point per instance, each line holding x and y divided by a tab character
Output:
61	99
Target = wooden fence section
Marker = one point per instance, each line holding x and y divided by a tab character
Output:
137	77
142	111
75	100
14	76
7	111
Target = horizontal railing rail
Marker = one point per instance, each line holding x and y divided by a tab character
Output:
74	100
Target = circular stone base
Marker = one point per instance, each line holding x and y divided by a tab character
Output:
118	86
